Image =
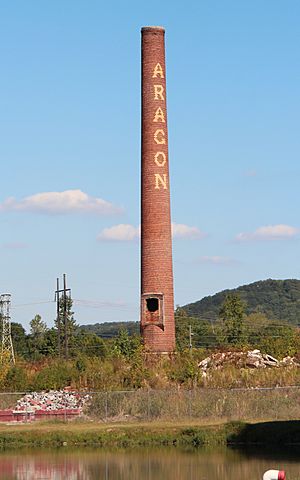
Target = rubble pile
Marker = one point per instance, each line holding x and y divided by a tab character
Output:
250	359
51	401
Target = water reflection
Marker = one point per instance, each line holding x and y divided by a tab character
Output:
164	464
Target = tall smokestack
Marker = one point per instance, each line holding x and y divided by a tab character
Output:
157	298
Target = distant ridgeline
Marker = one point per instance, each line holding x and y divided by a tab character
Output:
111	329
277	299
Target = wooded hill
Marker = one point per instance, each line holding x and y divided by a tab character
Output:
277	299
111	329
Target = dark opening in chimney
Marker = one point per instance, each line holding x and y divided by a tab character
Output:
152	304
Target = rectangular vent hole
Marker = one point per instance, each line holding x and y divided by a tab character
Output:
152	304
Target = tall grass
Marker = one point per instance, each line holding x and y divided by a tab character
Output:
208	405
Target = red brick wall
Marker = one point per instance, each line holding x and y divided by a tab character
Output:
158	328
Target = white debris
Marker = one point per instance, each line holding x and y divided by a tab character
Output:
250	359
270	361
54	400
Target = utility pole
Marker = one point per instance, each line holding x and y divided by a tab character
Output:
57	298
7	345
65	316
190	337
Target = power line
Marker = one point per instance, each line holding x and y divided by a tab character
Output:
33	303
81	303
98	304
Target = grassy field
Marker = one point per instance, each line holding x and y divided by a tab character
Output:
109	435
191	434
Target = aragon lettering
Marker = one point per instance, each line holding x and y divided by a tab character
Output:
159	116
160	159
160	180
158	92
159	137
158	71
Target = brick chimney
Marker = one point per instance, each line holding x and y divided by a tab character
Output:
157	298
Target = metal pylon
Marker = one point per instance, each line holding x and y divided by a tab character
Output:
7	345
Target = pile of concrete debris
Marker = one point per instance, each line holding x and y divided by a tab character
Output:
250	359
54	400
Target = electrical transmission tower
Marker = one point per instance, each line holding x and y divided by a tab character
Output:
7	345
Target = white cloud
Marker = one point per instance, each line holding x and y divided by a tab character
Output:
269	232
217	260
129	233
120	233
179	230
68	201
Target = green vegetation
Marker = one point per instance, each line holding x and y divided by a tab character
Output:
57	434
122	363
202	405
135	386
113	436
111	329
42	342
234	329
278	300
232	315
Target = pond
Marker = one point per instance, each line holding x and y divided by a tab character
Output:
152	464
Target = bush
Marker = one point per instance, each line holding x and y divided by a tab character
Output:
55	376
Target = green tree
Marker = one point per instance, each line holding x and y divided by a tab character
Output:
16	379
19	339
58	374
279	340
231	315
66	314
37	339
38	327
126	345
89	344
49	346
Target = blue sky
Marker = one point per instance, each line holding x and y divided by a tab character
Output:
70	149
